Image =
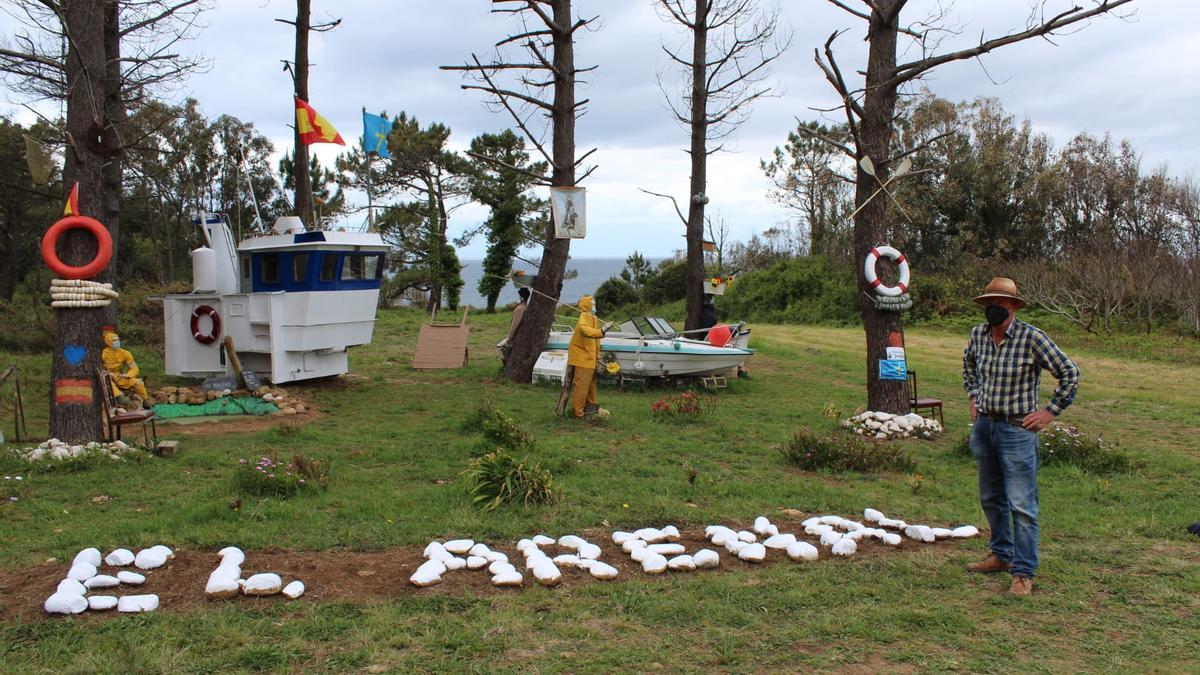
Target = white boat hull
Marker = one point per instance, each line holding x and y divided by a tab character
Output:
650	357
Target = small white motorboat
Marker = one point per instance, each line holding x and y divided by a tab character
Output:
650	347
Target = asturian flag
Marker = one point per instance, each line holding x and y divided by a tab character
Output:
72	206
314	128
375	133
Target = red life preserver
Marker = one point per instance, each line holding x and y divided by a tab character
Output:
869	271
104	246
205	310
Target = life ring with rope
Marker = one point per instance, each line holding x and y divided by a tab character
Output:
890	253
202	338
104	247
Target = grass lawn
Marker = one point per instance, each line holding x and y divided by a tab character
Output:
1119	588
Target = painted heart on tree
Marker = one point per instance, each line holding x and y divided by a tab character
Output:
75	354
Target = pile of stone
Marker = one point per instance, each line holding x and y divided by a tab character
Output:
287	404
228	581
886	426
85	587
56	450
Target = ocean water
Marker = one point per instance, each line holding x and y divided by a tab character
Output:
592	273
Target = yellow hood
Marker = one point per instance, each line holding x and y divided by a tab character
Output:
110	338
585	303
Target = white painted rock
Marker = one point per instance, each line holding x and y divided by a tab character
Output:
631	544
440	554
589	551
780	541
566	560
941	532
845	548
428	574
830	538
476	562
620	537
524	544
82	571
587	563
232	555
496	556
71	587
267	583
666	549
535	560
166	552
809	522
294	589
713	530
894	524
102	581
681	563
654	564
455	563
479	550
650	535
603	571
90	556
121	557
735	546
222	586
65	603
890	538
570	541
920	533
508	579
102	603
547	574
640	554
747	536
137	603
431	548
817	530
458	546
671	533
754	553
802	550
772	530
832	521
543	540
724	537
852	525
761	525
706	558
500	566
149	559
964	532
854	535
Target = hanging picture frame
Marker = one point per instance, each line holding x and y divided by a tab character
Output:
568	208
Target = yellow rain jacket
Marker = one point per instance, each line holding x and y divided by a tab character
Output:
116	360
584	349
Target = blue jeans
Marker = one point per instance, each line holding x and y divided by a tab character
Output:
1007	458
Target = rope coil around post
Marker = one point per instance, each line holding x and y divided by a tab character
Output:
78	293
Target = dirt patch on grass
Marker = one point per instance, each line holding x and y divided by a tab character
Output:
340	575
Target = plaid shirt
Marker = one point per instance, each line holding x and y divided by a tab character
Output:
1004	380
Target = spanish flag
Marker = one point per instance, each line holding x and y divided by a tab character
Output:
72	206
314	128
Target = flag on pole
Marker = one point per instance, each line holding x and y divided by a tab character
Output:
314	128
375	133
72	207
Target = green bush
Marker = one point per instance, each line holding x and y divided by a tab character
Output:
1063	445
668	284
498	430
841	452
614	294
500	478
809	289
269	477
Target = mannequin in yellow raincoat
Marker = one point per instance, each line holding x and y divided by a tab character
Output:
583	352
116	359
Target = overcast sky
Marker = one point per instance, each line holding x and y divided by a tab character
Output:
1137	78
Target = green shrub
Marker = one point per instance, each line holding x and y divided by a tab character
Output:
498	430
269	477
668	284
500	478
841	452
614	294
1063	445
808	289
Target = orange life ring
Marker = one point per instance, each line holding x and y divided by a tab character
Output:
206	310
104	246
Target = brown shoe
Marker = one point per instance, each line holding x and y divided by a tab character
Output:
1021	586
989	565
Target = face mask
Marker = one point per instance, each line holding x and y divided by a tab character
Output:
116	344
595	308
995	314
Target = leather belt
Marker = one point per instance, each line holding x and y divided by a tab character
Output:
1014	420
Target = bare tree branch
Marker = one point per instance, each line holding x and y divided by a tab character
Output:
674	203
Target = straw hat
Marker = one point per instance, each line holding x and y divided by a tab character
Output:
1001	287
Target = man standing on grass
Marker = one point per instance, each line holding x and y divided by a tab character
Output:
1001	366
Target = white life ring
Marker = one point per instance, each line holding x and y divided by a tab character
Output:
869	271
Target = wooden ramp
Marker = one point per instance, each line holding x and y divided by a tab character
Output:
442	345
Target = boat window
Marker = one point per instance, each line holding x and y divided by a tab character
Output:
299	267
246	271
270	268
661	326
359	267
643	326
329	266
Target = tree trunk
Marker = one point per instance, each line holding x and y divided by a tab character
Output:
114	110
74	413
699	181
875	130
304	196
535	326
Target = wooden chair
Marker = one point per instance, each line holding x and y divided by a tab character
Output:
916	403
115	420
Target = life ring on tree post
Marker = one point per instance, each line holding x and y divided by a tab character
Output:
104	247
206	310
873	279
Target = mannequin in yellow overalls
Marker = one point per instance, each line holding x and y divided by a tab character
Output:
116	359
583	352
